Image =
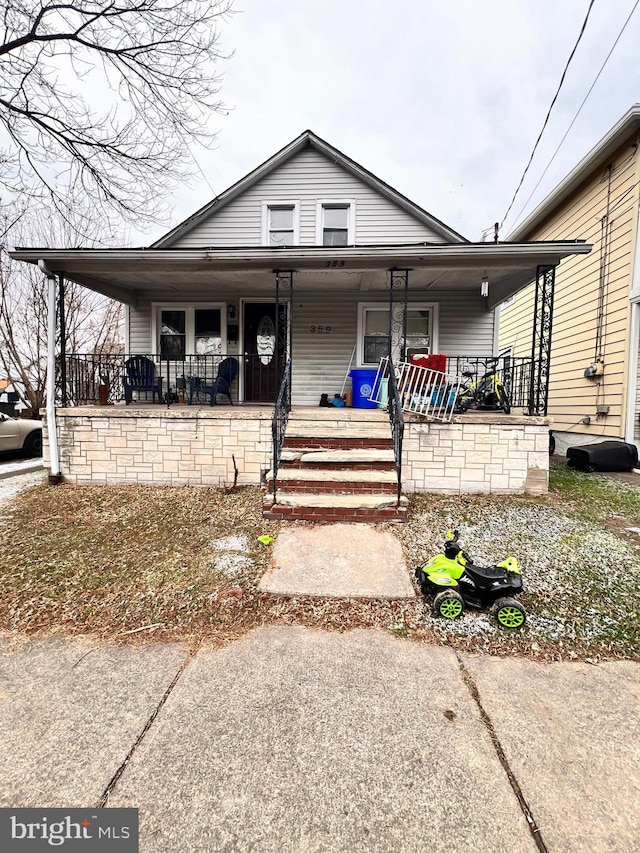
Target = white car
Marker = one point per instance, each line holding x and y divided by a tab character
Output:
20	434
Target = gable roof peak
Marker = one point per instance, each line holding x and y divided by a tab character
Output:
308	137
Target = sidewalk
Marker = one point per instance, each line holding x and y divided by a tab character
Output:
299	740
15	467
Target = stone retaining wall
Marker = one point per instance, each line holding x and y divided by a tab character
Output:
183	446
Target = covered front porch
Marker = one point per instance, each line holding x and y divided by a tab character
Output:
292	323
324	310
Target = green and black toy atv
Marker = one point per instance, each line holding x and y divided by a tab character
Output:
457	583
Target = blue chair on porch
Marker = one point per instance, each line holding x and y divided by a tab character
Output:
227	372
141	376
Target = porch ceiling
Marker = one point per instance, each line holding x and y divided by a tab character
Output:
125	273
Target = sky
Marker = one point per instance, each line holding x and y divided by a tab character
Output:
442	99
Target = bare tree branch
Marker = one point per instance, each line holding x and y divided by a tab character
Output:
106	96
93	322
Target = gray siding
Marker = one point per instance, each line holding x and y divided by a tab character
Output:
140	328
305	178
466	327
320	360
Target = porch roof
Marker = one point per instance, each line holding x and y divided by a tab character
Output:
124	274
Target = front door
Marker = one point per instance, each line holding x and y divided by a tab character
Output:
262	365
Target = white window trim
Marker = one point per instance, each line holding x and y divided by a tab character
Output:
267	205
432	307
190	325
321	203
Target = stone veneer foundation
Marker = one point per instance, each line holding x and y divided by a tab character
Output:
477	453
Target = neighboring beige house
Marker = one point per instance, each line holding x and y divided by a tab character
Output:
305	269
594	389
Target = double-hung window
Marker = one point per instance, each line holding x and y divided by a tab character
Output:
335	223
373	330
280	224
207	323
190	330
173	333
335	228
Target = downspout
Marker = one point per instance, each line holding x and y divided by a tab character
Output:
54	452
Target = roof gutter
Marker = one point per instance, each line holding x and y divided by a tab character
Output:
319	257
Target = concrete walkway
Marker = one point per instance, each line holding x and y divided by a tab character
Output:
338	561
299	740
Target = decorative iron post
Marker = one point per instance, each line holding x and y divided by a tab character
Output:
398	292
284	320
541	341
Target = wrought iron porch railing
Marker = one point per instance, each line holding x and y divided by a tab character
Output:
515	373
434	393
94	378
396	419
280	420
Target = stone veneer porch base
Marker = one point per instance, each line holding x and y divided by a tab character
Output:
190	445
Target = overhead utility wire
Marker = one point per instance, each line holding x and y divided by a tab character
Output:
577	114
546	121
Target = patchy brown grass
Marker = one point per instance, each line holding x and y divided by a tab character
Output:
118	559
133	563
139	563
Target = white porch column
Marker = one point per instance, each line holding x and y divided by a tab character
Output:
52	431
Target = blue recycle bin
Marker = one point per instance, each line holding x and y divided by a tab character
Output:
362	381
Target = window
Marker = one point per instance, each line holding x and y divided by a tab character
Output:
376	336
173	334
419	330
280	224
335	222
180	331
335	230
208	340
373	330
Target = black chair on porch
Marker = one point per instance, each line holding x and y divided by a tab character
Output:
227	372
141	376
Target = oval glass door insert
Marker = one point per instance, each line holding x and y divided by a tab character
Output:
266	339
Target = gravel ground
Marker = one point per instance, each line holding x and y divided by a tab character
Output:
580	580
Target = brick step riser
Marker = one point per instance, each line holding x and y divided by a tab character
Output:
301	443
333	515
334	488
338	466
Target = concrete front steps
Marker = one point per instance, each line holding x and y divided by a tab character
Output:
336	465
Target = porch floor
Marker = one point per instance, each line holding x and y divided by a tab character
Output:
265	411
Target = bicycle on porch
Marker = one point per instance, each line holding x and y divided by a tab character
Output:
483	393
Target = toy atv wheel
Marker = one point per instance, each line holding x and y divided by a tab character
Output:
448	604
422	580
510	613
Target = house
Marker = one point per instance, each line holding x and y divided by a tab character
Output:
305	269
10	402
594	389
